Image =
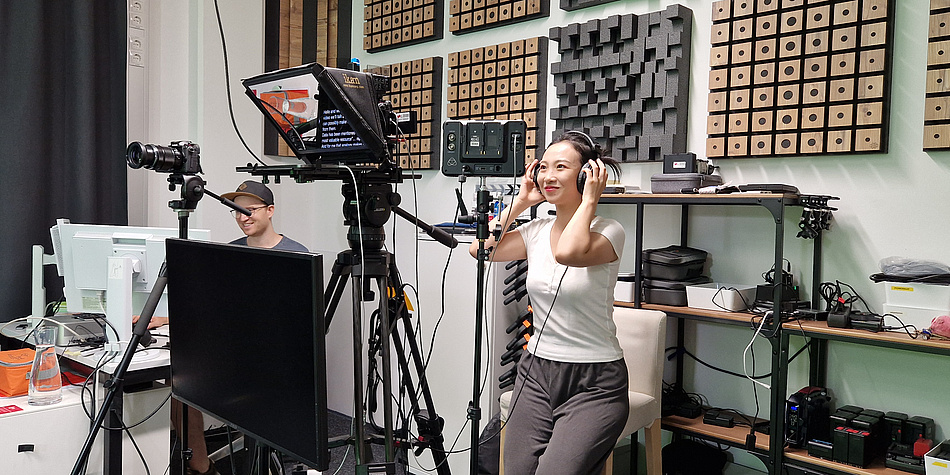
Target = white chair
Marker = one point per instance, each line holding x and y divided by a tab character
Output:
642	335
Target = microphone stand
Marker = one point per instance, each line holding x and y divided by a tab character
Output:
192	189
481	234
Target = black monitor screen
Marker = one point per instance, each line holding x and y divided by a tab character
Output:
247	342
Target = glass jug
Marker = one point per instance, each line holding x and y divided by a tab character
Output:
46	384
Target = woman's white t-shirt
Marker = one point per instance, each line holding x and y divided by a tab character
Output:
579	328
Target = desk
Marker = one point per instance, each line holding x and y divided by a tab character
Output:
59	431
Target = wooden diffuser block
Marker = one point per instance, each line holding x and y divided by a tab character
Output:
389	24
466	16
501	82
812	76
937	103
417	86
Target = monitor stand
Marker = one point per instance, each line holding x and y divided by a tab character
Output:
37	289
119	302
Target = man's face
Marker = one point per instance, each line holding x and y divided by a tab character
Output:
259	220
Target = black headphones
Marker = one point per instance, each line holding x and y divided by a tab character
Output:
581	177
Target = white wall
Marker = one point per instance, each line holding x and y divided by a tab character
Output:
891	204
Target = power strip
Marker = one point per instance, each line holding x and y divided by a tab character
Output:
717	418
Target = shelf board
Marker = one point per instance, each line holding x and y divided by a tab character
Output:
734	436
705	199
876	468
898	340
716	316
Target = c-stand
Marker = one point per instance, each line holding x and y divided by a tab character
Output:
192	190
369	201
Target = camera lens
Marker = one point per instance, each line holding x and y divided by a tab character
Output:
154	157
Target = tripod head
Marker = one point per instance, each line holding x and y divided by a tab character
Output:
366	208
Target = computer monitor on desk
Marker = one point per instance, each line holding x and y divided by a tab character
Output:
111	269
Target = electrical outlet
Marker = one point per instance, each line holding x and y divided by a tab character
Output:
137	14
136	59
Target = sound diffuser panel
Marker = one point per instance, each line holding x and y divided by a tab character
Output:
571	5
937	102
625	81
389	24
467	16
501	82
792	77
417	86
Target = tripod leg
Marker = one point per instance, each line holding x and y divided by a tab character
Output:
359	447
335	287
428	423
386	327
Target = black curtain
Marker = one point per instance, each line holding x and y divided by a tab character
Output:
63	130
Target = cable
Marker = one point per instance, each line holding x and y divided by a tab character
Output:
744	370
227	83
42	319
137	450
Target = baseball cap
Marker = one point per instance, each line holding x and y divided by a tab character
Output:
253	189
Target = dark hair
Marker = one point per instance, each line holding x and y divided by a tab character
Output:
588	149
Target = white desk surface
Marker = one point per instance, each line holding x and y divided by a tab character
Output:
152	357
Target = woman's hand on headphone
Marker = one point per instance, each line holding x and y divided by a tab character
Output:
596	180
529	193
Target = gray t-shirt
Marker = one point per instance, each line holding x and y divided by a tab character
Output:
285	244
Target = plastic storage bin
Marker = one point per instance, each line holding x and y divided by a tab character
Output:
723	297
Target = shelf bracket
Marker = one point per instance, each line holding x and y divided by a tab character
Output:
776	206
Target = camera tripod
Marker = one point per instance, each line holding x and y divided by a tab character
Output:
367	207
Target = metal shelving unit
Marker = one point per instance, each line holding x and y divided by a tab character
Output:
776	204
778	459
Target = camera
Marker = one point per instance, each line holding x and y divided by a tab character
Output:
179	157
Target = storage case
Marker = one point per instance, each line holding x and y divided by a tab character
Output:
937	461
676	182
669	292
673	263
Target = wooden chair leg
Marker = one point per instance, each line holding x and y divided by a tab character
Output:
653	443
609	466
501	452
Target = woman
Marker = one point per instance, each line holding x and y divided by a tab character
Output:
570	397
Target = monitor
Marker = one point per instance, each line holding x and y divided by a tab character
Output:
248	342
324	114
118	264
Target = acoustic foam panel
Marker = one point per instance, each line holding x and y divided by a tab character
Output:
625	81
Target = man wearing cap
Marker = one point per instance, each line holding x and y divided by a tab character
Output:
258	227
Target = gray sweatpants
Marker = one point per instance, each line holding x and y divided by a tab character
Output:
565	418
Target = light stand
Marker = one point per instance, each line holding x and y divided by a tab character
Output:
192	189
